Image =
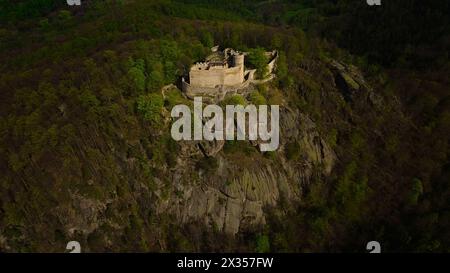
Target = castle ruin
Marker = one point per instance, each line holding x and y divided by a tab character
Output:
222	72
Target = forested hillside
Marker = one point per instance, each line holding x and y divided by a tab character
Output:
86	152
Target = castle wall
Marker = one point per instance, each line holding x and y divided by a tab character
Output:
272	64
273	58
216	76
215	82
192	91
218	91
233	76
206	78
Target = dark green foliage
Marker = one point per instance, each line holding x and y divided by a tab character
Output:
207	164
81	121
415	192
257	99
234	100
282	71
137	75
262	244
150	106
258	60
207	39
26	9
293	150
233	146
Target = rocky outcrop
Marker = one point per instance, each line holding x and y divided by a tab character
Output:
348	78
232	197
236	204
296	126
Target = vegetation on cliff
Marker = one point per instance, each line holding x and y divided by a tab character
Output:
83	123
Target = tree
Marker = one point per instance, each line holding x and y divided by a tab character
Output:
207	39
257	58
156	77
257	99
150	106
262	244
415	192
234	100
137	75
282	68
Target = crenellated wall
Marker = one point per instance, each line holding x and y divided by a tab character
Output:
216	75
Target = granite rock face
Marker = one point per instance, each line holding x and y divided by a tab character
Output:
348	79
233	198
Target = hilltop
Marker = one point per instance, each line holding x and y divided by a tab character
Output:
86	152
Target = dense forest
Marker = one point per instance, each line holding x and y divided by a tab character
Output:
85	146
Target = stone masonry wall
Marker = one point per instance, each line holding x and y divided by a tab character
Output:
216	76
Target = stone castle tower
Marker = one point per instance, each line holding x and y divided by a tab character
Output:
238	61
